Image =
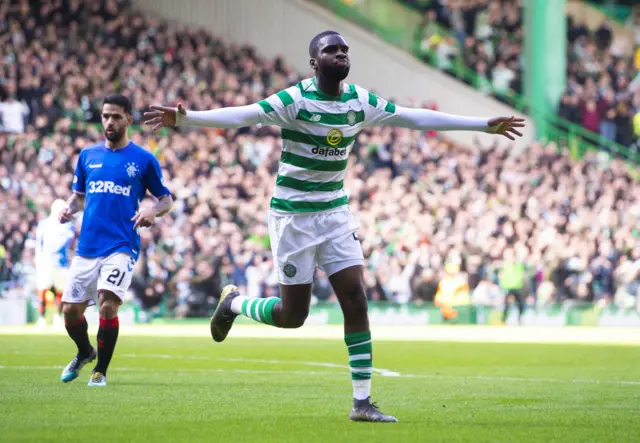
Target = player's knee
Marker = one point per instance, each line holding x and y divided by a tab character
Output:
109	305
71	312
293	320
108	309
355	301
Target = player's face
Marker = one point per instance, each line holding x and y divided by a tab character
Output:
115	122
332	59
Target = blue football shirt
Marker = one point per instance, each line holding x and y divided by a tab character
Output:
114	183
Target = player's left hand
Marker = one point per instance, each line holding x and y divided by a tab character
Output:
506	126
144	218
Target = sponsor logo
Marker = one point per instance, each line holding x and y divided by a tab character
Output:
95	166
132	169
329	152
108	187
315	118
334	137
351	118
289	270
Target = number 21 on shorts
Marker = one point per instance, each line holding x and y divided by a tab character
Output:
116	276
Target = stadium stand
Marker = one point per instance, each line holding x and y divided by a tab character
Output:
603	85
488	38
564	229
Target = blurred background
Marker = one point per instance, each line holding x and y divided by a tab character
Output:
456	227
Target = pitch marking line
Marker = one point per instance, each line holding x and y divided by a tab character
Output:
167	356
382	372
187	370
388	373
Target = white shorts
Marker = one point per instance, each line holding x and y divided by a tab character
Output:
301	242
48	276
87	276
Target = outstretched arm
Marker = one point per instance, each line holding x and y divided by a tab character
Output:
232	117
278	109
425	119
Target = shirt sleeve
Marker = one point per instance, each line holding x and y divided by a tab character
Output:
154	181
79	184
378	111
425	119
279	109
231	117
382	112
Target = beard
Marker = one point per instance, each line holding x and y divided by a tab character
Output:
114	136
337	73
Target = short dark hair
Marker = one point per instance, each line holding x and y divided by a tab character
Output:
118	100
313	46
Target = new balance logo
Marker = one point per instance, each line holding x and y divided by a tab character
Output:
108	187
95	166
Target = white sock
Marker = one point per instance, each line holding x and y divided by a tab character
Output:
361	389
236	304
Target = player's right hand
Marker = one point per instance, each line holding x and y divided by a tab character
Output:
65	216
164	116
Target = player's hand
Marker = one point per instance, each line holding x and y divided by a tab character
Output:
65	216
506	126
164	116
144	218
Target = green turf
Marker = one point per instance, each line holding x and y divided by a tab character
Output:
190	389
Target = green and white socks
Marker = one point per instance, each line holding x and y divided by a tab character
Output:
360	363
358	344
259	309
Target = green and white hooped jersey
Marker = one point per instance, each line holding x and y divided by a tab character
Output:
318	132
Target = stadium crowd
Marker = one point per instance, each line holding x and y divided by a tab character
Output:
486	35
476	223
603	85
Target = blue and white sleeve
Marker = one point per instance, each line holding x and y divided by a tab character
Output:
79	185
153	179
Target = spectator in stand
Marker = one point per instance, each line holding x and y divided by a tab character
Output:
13	114
489	38
490	42
591	116
597	73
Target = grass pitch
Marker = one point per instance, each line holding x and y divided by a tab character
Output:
189	389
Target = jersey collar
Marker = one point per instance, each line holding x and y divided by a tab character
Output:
327	96
104	146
